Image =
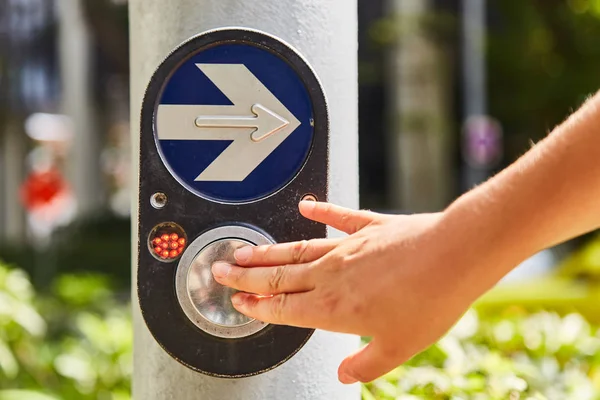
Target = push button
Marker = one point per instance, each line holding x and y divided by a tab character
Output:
206	302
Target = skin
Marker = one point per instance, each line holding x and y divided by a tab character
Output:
405	280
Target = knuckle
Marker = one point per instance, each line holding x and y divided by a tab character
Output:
395	353
278	307
359	248
251	304
237	275
276	279
335	263
300	250
264	252
346	218
330	302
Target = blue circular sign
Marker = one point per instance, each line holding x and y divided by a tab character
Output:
234	120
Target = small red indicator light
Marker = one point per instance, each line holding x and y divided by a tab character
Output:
167	241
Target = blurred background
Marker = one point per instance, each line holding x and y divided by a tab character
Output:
451	91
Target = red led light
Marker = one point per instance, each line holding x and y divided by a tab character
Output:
167	241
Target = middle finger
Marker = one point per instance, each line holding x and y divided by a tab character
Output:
265	280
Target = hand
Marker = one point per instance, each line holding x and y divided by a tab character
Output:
397	279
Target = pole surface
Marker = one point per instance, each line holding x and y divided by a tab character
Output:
83	165
474	76
325	32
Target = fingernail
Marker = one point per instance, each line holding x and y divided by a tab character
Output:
308	205
238	299
221	270
347	379
243	254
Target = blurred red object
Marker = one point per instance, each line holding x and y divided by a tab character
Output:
42	188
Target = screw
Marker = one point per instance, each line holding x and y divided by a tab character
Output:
158	200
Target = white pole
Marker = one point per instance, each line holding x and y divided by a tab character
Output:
325	32
83	167
13	176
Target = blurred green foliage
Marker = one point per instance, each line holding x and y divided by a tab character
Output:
73	343
573	286
513	356
543	61
584	264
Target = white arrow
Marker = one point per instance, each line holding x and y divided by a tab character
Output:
265	123
257	122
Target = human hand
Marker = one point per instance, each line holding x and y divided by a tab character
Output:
397	279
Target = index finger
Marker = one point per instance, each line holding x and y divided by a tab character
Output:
341	218
285	253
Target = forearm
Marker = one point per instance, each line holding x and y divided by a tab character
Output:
549	195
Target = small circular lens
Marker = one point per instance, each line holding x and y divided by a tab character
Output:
309	197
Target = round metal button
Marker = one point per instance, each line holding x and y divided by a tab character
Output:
206	302
211	299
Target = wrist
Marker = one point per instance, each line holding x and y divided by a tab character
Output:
485	238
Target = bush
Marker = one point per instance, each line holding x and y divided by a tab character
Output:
74	343
509	356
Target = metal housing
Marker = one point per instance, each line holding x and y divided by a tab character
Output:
276	216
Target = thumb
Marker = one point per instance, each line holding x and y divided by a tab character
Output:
341	218
368	364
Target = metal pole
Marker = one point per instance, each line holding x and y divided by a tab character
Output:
12	138
474	75
83	169
326	33
14	155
